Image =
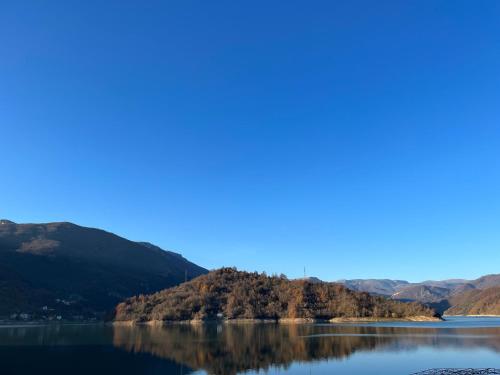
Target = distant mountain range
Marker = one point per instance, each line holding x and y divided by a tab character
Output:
447	296
59	269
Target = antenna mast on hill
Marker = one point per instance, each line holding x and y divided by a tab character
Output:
304	272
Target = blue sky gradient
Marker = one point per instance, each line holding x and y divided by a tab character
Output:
357	139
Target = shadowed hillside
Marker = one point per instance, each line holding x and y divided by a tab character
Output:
63	268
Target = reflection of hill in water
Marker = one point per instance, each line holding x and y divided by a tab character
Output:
229	349
82	360
75	350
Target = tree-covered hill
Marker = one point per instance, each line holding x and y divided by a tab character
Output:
231	294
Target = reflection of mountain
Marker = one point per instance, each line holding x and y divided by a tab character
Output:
83	360
75	350
232	348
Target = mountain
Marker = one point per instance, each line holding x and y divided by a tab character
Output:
421	293
449	283
385	287
231	294
438	294
66	269
476	302
487	281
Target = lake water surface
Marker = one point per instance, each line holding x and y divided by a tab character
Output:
377	348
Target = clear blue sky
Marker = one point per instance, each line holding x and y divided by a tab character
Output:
356	138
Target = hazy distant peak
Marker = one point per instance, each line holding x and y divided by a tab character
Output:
394	281
5	221
447	282
375	286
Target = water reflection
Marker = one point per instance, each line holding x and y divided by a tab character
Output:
76	350
228	349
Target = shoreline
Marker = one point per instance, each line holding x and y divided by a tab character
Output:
154	323
278	321
15	324
376	320
476	316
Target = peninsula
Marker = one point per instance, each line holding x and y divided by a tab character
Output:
231	295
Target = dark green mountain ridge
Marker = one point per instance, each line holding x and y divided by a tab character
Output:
64	268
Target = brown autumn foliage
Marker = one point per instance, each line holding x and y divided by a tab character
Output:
231	294
476	302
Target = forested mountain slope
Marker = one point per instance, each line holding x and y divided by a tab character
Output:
63	268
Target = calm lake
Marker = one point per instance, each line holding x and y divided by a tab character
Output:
377	348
